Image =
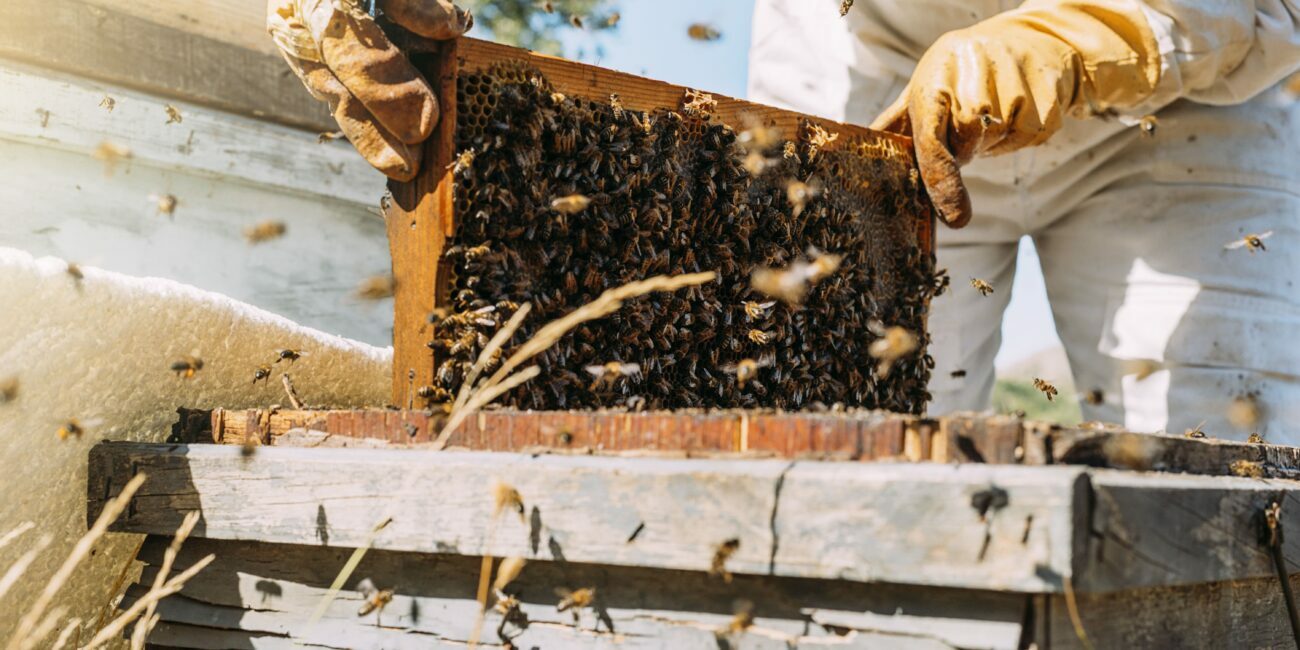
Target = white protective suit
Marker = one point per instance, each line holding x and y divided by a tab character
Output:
1130	229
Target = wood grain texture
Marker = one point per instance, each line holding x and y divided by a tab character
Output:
128	50
907	523
263	589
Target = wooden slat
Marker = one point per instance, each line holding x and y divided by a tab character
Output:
265	589
130	51
910	523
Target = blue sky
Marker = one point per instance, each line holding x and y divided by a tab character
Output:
651	41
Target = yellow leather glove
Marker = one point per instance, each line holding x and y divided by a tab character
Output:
1007	82
381	103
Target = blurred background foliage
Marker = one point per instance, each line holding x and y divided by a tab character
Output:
526	23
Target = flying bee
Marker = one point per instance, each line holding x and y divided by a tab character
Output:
74	270
261	373
187	366
1243	412
759	336
8	389
322	138
462	162
165	203
613	19
789	151
722	553
747	369
264	231
957	374
893	344
110	153
742	620
571	204
173	114
799	194
756	136
288	354
1046	387
981	286
576	21
376	598
703	32
576	599
1094	397
73	428
108	103
608	374
822	265
546	6
757	310
616	105
377	287
1148	124
1255	439
1251	242
756	163
845	6
506	497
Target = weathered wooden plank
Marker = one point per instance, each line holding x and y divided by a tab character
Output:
265	589
1162	452
1152	530
797	519
131	51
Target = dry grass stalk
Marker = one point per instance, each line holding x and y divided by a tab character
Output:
498	340
44	628
346	572
118	625
27	624
1072	608
480	398
146	622
19	567
13	534
68	628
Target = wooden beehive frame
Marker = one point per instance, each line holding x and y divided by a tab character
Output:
421	216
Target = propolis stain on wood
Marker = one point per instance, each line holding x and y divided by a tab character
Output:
676	192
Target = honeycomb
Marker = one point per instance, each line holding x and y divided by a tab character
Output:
670	193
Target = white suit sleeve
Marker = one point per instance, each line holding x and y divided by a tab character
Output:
1223	51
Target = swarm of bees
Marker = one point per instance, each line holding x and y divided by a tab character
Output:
566	197
264	231
1046	388
1250	242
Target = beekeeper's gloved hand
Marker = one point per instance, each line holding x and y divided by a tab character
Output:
1007	82
382	104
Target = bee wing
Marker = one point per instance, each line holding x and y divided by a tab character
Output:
367	587
632	369
596	371
1235	244
1265	235
876	327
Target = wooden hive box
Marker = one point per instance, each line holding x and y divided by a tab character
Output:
868	171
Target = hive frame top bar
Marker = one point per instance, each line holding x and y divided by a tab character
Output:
421	216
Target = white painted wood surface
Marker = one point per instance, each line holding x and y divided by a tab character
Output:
226	171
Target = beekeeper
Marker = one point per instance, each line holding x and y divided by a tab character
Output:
1023	118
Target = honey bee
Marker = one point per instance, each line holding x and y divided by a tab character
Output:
110	153
8	389
957	374
576	599
1148	124
747	369
699	104
613	19
376	599
742	620
756	163
792	284
703	32
757	136
108	103
261	373
476	252
173	114
1195	432
845	6
798	194
818	138
789	151
546	6
1255	439
165	203
74	270
1251	242
608	374
1247	468
1094	397
1046	387
822	265
463	344
571	204
576	21
505	496
376	287
557	98
71	428
288	354
757	310
894	343
322	138
264	231
462	162
187	366
722	553
433	394
1243	412
616	105
759	336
